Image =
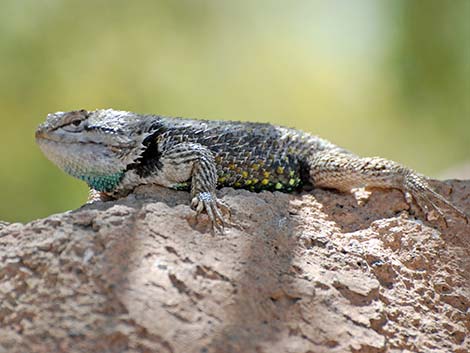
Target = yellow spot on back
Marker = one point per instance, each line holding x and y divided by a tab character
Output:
265	181
280	170
278	186
244	174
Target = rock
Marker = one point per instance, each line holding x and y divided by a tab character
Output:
312	272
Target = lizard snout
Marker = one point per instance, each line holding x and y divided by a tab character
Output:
40	133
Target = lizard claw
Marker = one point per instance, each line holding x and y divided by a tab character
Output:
208	202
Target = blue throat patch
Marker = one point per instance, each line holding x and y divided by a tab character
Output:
102	182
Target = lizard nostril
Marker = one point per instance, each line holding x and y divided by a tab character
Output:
39	133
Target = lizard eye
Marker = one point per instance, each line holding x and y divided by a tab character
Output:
74	126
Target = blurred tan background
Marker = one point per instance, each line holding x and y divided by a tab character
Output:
388	78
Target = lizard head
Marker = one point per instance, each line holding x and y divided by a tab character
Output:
95	146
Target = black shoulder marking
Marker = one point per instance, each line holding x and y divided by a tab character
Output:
149	161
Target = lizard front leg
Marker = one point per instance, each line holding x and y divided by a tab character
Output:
195	163
343	171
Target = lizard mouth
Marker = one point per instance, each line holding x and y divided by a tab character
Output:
43	135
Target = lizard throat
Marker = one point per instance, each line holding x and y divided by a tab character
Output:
104	183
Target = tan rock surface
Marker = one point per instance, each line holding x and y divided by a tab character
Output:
314	272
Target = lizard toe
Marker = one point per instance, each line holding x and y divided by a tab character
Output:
430	201
206	201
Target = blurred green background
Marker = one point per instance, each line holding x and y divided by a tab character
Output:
388	78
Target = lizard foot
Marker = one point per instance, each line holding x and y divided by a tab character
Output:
208	201
429	200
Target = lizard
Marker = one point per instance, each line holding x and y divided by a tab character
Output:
115	151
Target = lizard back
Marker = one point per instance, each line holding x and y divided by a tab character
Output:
254	156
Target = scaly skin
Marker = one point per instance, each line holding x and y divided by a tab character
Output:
115	151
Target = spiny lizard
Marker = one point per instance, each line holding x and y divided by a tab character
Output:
115	151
